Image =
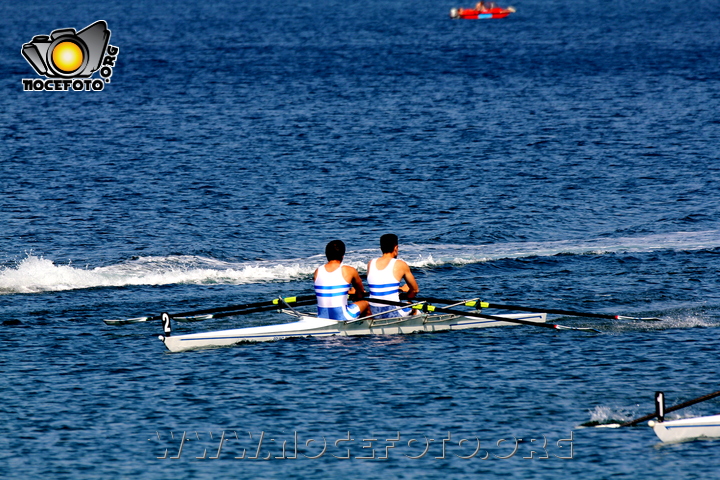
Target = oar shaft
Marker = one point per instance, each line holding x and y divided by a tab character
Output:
527	309
672	409
492	317
432	308
371	317
213	312
552	311
229	308
267	308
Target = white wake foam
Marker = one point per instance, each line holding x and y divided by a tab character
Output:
37	274
424	255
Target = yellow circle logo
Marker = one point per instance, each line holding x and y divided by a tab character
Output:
67	56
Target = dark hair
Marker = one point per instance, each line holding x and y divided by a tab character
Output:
335	250
388	242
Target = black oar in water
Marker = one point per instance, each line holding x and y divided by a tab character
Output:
660	409
538	310
432	308
226	311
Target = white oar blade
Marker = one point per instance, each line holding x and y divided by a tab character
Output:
194	318
583	329
120	321
640	319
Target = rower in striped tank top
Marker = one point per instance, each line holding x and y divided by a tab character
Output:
385	276
334	282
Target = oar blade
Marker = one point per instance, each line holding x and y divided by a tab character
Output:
125	321
582	329
193	318
639	319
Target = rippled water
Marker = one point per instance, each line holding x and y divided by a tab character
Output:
563	157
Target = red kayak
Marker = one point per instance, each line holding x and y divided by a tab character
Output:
481	11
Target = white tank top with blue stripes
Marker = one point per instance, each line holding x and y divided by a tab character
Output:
331	290
382	283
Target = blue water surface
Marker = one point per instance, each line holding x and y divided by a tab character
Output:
567	156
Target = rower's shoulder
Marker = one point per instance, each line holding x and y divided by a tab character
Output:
349	269
400	268
401	262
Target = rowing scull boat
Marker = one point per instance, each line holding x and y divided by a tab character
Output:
312	326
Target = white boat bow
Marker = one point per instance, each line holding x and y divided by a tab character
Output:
687	428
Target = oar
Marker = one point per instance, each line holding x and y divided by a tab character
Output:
431	308
671	409
199	318
404	306
541	310
230	308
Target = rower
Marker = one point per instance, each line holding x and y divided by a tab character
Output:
334	281
384	277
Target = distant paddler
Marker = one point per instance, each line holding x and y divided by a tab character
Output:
480	7
385	275
334	282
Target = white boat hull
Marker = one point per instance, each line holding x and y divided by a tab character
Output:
310	326
687	428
